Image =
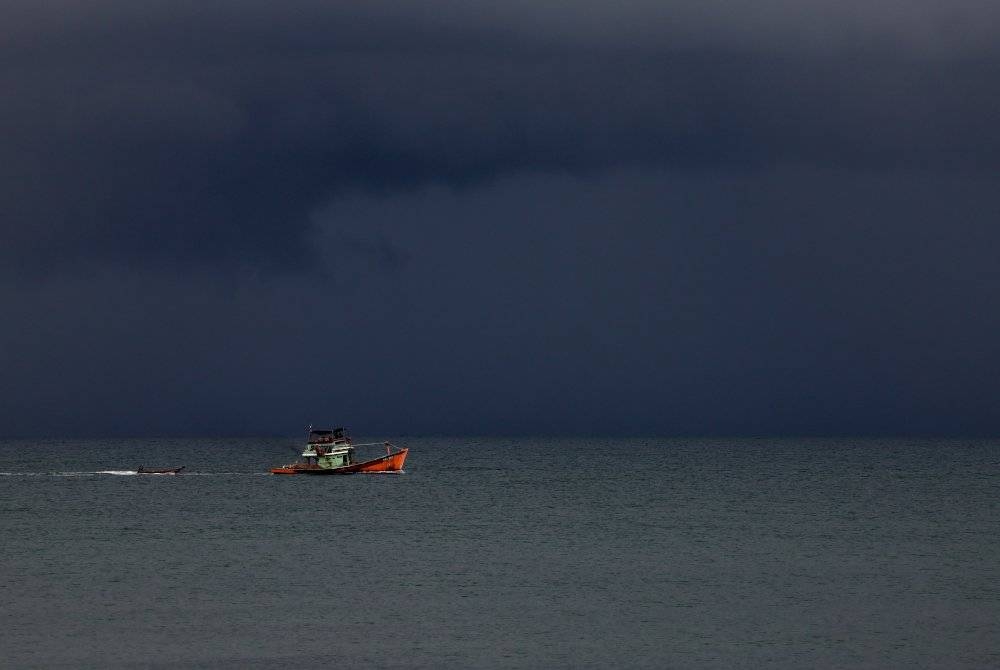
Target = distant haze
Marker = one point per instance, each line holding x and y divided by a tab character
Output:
460	217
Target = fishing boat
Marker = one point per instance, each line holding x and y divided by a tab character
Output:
158	471
331	452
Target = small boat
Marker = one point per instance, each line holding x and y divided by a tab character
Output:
158	471
331	452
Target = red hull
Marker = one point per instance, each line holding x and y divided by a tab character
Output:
390	463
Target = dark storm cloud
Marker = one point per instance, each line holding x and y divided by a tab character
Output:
677	303
684	217
694	304
208	134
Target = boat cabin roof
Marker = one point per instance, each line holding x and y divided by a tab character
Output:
336	432
327	436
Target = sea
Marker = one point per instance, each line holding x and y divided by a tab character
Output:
526	552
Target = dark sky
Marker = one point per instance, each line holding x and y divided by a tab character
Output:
662	217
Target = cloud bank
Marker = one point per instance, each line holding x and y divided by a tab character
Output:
183	132
552	216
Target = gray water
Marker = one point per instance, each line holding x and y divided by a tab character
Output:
504	553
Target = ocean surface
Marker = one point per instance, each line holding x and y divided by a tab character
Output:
503	553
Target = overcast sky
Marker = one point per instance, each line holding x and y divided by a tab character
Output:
669	218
